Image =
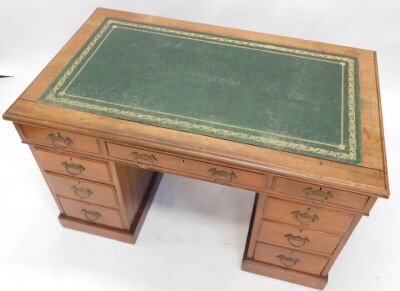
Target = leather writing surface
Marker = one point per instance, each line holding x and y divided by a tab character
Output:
291	99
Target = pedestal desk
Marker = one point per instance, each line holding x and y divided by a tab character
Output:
133	96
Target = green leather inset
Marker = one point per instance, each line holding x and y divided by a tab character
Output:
285	98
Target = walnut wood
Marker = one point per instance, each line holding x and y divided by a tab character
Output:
307	263
265	240
144	206
133	184
44	174
330	207
255	221
340	198
96	229
102	194
250	265
370	204
18	127
129	236
194	168
328	221
369	178
342	243
275	233
95	170
381	119
277	272
132	196
103	145
40	135
350	177
108	216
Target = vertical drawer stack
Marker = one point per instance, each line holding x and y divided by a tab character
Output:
82	186
299	236
299	229
81	182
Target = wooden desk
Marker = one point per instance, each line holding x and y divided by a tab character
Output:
315	155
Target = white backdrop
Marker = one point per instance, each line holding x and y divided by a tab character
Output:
194	235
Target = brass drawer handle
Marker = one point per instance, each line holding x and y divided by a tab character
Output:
73	169
91	215
288	261
81	192
297	241
305	218
143	161
315	195
222	177
59	141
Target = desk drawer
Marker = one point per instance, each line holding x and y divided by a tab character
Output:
315	194
60	140
73	166
225	175
143	158
301	238
307	216
90	212
290	259
212	172
83	190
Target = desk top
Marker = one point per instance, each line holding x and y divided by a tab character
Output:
259	93
302	108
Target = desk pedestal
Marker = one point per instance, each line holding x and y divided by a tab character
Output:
283	245
113	233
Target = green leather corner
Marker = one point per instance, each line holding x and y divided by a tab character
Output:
286	98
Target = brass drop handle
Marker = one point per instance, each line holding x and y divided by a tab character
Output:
317	196
143	161
305	218
73	169
297	241
91	215
222	177
81	192
59	141
288	261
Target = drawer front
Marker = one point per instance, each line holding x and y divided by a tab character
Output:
74	166
145	159
225	175
317	195
307	216
300	238
217	173
60	140
90	212
83	190
290	259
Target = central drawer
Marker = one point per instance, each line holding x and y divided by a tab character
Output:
207	171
